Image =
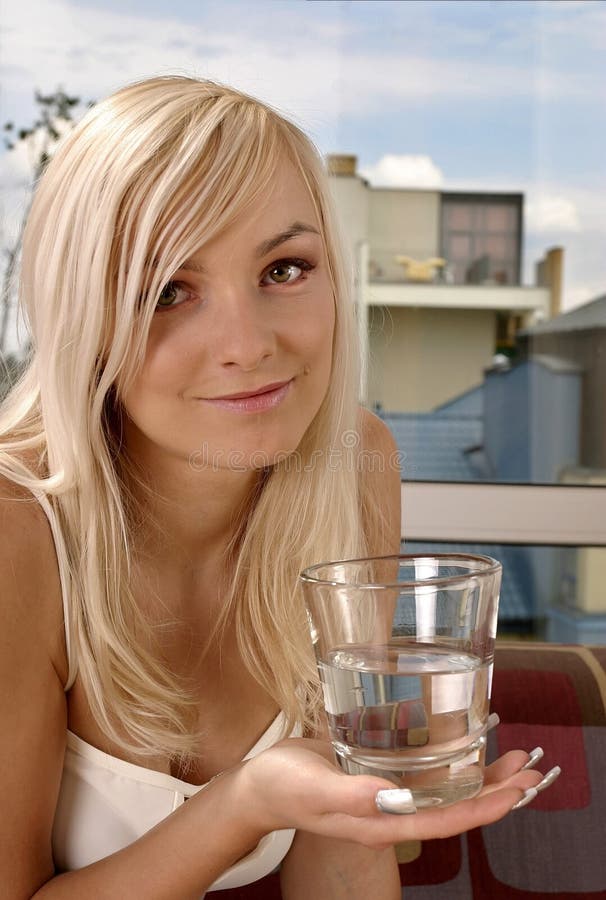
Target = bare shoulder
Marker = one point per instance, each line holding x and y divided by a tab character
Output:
30	588
379	466
27	545
19	506
375	435
33	716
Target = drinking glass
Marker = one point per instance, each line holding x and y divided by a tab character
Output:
404	646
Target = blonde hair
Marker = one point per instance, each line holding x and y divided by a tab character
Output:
147	177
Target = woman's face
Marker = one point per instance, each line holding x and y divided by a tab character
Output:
239	353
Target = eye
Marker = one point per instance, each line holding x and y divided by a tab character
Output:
172	294
286	271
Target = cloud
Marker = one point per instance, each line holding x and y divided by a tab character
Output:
304	62
326	67
552	214
75	47
17	168
569	20
404	171
15	178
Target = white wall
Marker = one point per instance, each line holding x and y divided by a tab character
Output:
421	358
402	223
351	197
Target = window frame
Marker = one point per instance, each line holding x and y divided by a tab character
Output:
505	513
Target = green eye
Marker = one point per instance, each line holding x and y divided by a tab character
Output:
287	271
168	294
282	273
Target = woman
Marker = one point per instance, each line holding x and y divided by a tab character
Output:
171	459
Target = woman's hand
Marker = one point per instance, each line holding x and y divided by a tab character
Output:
295	784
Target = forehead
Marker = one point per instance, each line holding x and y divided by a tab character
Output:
282	209
284	199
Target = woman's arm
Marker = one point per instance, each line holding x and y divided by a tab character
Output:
292	785
329	869
177	860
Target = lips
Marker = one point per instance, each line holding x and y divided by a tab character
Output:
263	398
266	389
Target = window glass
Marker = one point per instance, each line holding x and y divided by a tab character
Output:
481	238
547	593
465	149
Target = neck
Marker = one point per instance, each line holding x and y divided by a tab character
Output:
188	516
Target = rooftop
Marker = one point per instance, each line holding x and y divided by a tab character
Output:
446	445
440	446
588	316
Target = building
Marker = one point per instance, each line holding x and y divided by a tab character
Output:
529	422
578	338
438	286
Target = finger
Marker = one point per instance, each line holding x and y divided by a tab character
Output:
493	721
545	782
507	765
481	810
523	779
528	797
398	801
364	795
548	779
534	756
425	824
504	771
520	779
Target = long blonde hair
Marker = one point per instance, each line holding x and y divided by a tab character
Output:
147	177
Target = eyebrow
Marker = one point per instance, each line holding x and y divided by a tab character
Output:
265	247
292	231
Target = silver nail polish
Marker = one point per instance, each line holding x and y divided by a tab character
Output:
535	756
528	797
398	801
493	721
549	778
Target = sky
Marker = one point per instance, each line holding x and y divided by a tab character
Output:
481	95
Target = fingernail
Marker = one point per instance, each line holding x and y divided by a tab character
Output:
528	797
493	721
398	801
535	756
549	778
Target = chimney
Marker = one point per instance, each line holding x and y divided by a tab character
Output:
341	164
550	274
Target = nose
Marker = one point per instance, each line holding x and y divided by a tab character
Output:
244	336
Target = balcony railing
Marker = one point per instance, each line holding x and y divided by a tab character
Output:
423	265
422	279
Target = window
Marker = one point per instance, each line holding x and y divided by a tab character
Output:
480	238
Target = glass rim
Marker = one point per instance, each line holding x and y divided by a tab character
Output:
487	566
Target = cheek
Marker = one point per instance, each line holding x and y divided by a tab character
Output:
318	332
158	381
168	362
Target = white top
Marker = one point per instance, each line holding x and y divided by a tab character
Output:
105	803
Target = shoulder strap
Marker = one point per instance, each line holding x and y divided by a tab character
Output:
65	583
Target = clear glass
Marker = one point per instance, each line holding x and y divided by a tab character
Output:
404	646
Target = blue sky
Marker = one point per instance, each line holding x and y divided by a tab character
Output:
477	95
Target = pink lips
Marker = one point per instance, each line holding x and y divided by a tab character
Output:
266	397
